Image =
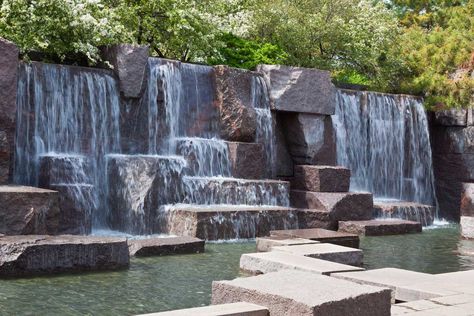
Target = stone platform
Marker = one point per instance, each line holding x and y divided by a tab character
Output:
266	262
329	252
380	227
231	309
321	178
165	246
28	210
409	211
304	294
265	244
216	222
321	235
37	255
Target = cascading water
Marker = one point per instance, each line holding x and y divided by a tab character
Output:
65	112
384	140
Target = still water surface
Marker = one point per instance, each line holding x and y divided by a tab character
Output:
164	283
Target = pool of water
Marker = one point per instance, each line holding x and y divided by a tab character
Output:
164	283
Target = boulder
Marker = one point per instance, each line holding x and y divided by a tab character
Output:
237	117
341	206
247	160
8	89
37	255
380	227
158	246
304	294
321	179
28	210
129	63
452	117
310	139
303	90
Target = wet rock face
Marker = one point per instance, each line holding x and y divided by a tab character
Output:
310	139
301	90
238	119
38	255
247	160
129	64
8	89
28	210
455	117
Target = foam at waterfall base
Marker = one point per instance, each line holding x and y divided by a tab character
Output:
104	232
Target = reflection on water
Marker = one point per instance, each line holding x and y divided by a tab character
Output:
164	283
436	250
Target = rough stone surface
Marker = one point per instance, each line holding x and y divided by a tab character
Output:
8	90
391	278
231	309
283	161
247	160
321	179
380	227
238	119
36	255
341	206
321	235
323	251
265	244
310	138
273	261
220	222
28	210
316	218
290	293
64	169
467	227
410	211
129	64
453	117
164	246
302	90
467	199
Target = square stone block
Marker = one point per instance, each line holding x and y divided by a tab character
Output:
321	235
265	244
380	227
321	178
291	293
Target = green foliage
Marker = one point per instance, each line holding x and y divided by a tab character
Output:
59	28
244	53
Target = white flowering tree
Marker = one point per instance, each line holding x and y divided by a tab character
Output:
60	28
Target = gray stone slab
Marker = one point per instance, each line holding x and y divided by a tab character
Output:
391	278
266	262
299	293
165	246
329	252
321	235
454	299
37	255
381	227
420	305
400	310
231	309
302	90
264	244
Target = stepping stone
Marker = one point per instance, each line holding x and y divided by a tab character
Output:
410	211
321	235
394	279
265	244
380	227
221	222
329	252
304	294
36	255
164	246
266	262
352	206
231	309
321	178
28	210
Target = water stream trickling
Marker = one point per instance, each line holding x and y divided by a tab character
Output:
384	140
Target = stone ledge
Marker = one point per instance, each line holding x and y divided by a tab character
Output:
380	227
164	246
231	309
265	244
38	255
321	235
304	294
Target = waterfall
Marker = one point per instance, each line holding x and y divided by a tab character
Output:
384	140
265	123
66	112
